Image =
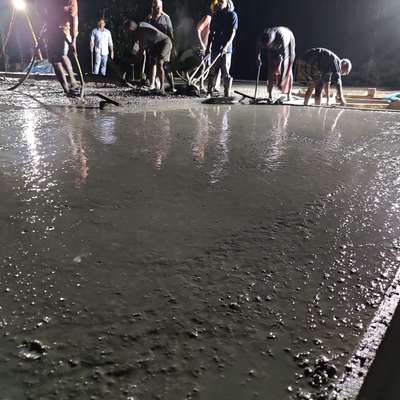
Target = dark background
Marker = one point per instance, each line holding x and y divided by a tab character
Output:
366	31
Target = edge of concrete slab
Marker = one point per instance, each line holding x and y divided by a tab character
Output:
351	383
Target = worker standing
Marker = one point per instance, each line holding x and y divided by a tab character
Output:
223	28
62	21
101	47
160	20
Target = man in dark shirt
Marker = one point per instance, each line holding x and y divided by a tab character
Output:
279	46
319	69
62	25
150	39
224	25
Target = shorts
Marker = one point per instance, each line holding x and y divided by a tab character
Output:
57	47
162	50
309	73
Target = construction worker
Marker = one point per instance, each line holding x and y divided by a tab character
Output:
160	20
157	44
279	45
62	31
319	68
223	27
203	33
101	46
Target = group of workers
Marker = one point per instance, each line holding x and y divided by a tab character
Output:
150	44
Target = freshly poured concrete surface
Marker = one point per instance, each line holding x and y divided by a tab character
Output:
190	251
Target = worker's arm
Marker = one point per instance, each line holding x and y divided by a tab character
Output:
258	57
111	45
230	41
210	42
327	89
340	94
203	24
73	7
170	29
92	41
233	34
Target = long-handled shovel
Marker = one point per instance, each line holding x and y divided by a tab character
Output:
78	64
257	81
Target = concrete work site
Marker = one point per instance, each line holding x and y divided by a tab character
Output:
170	249
199	206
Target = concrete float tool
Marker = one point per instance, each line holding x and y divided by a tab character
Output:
227	98
193	78
255	100
106	101
78	65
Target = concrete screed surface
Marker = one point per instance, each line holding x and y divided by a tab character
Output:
185	251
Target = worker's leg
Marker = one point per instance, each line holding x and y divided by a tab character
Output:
212	76
153	70
61	75
327	91
161	74
97	63
226	75
103	65
171	81
68	67
290	85
309	92
318	92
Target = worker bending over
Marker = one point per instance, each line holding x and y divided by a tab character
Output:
279	46
320	68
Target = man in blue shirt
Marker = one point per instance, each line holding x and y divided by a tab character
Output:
224	25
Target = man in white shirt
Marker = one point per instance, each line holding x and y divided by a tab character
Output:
101	45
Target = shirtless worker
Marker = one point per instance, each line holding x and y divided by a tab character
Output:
62	21
223	27
155	42
319	68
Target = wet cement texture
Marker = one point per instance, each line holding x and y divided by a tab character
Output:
196	252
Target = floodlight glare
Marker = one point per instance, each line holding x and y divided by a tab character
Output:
19	5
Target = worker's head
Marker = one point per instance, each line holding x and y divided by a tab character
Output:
130	26
157	7
213	6
345	66
222	4
101	24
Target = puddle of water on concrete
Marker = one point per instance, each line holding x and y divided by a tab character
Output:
193	252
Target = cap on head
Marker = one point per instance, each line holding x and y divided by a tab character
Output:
213	6
345	66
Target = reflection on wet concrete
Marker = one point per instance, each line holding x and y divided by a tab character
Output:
206	252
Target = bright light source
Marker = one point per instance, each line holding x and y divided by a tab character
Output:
19	5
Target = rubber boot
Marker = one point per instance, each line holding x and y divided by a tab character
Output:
228	87
211	85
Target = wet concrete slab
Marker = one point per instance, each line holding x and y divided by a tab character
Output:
178	250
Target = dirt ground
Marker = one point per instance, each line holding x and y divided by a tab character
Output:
168	249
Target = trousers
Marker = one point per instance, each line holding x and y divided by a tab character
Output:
100	64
